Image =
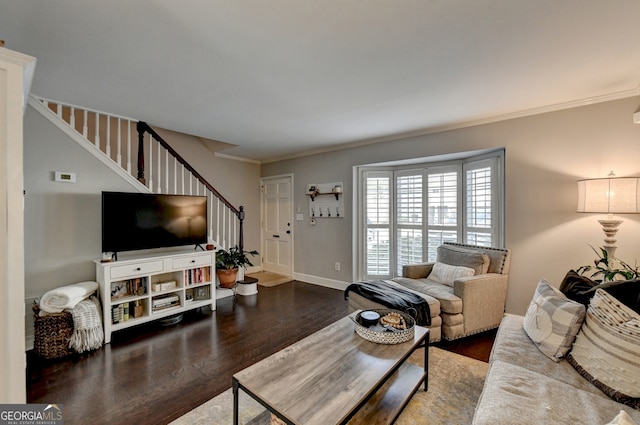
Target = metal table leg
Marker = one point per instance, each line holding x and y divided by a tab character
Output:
235	402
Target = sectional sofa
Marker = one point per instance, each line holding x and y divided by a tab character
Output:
540	373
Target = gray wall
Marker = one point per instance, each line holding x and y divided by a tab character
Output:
544	156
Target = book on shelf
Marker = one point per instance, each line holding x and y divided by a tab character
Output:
126	311
197	275
116	314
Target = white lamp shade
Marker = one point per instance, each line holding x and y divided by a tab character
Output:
618	195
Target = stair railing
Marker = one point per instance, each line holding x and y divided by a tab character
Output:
114	136
181	178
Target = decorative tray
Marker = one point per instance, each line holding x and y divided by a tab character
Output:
382	332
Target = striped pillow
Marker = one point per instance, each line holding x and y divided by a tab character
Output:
552	320
607	349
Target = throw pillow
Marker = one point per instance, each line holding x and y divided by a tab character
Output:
577	287
552	320
626	291
446	274
622	418
458	256
607	349
581	289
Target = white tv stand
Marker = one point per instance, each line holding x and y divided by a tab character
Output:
141	289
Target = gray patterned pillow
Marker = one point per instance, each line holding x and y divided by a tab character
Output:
607	349
457	256
553	321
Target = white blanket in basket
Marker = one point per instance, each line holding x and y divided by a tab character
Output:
66	297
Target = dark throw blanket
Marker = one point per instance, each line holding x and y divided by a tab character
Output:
392	297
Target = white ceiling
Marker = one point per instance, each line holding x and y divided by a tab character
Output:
281	77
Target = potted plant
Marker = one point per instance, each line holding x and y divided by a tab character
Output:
609	268
228	262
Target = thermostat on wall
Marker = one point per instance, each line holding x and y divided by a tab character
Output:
65	177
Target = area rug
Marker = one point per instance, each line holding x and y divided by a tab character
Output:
269	279
455	384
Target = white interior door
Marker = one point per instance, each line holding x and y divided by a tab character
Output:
277	225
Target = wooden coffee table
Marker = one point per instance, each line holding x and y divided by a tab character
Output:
336	377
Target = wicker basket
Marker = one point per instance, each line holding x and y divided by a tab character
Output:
52	334
385	337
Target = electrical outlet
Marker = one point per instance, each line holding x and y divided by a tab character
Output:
337	266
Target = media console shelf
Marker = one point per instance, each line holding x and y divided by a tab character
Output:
139	290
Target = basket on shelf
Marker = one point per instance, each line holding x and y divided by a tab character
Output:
52	333
375	334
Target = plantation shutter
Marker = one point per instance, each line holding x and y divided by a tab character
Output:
409	218
480	203
443	205
377	205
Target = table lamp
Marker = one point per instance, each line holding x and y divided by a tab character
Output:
610	195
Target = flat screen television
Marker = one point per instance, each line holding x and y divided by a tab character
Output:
133	221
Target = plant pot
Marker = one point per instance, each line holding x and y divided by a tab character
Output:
227	277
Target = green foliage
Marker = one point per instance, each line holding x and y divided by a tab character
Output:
605	268
233	258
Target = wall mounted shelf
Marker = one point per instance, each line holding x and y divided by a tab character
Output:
321	205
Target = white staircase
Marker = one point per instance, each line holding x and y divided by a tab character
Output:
116	141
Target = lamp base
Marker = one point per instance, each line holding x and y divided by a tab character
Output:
610	228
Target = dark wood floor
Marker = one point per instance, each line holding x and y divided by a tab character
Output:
152	374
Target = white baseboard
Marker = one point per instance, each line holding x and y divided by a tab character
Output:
321	281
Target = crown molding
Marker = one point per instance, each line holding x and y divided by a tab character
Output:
472	123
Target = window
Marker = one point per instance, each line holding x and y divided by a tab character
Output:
411	211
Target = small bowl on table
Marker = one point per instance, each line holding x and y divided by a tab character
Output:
369	318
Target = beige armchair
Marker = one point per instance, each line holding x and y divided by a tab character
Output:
468	304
